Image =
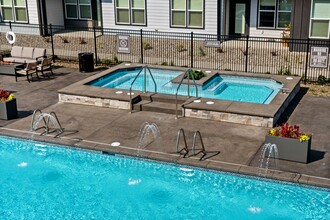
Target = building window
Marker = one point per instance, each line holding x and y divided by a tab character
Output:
14	10
274	13
187	13
78	9
320	19
130	12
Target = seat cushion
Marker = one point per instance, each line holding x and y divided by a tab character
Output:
27	52
19	60
9	59
39	52
16	51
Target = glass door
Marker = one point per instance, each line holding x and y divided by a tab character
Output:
239	17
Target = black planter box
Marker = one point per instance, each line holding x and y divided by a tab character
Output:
8	110
291	149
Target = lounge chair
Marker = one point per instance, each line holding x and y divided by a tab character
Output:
30	69
46	63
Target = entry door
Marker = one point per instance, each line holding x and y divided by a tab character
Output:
239	17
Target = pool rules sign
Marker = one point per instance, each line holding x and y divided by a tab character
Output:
123	44
319	57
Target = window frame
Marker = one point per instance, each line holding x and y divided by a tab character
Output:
317	19
187	11
13	8
276	16
130	14
77	5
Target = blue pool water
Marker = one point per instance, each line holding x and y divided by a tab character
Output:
223	87
40	181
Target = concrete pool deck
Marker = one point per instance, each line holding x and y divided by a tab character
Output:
239	145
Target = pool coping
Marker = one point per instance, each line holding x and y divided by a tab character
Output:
105	148
265	115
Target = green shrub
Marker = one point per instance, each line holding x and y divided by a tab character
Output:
180	48
5	53
146	45
164	63
321	80
284	71
201	52
198	74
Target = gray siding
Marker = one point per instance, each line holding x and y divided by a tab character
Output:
55	14
158	17
32	8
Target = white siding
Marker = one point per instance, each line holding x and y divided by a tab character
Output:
254	32
158	17
55	14
32	11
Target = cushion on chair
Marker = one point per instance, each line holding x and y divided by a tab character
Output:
16	51
39	52
27	52
9	59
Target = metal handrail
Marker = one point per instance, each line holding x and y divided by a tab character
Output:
46	127
185	148
33	118
61	129
189	71
145	68
194	145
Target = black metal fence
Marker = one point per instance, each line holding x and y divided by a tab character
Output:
244	54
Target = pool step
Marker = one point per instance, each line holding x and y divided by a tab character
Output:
153	106
162	98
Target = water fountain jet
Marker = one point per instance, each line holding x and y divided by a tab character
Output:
149	132
268	158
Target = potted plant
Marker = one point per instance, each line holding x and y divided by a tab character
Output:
8	107
292	144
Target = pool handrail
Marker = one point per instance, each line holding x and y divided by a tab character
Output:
185	148
145	68
194	145
189	71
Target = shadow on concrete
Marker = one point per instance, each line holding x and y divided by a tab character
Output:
292	106
315	155
23	114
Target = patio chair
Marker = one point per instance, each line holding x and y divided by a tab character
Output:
30	69
46	63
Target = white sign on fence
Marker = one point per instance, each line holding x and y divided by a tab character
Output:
123	44
212	43
319	57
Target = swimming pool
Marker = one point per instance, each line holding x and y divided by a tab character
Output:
43	181
223	87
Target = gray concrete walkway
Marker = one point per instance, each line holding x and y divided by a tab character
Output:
96	128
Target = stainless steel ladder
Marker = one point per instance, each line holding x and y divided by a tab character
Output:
185	148
46	126
145	68
187	73
197	133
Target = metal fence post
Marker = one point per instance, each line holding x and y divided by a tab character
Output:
306	63
141	45
51	39
247	53
192	50
95	46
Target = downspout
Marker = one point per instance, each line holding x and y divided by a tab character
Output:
42	14
219	20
